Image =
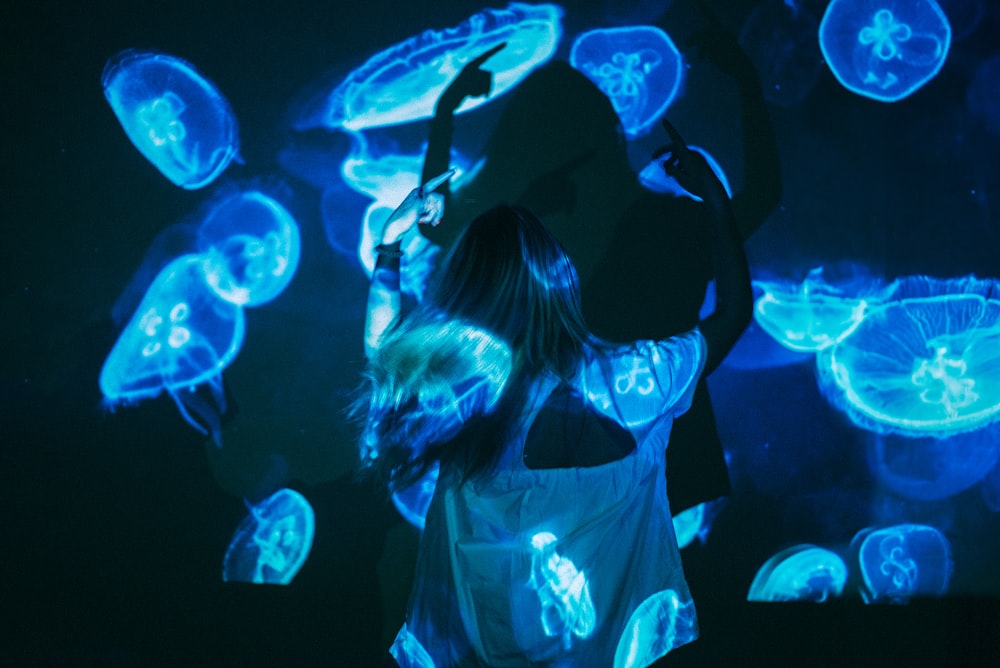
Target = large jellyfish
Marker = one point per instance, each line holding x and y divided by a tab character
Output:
253	247
884	49
658	625
567	609
403	82
272	542
638	67
900	562
799	573
173	115
925	363
653	178
814	314
779	36
181	336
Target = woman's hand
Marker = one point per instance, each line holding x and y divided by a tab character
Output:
689	168
472	81
421	207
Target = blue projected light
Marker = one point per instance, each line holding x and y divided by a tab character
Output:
811	315
884	49
173	115
660	623
983	94
779	37
181	336
653	178
799	573
271	543
403	83
925	363
567	609
414	501
253	247
900	562
695	522
637	67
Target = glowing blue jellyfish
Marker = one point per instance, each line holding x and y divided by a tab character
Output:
660	623
903	561
814	314
653	178
779	36
253	247
413	502
173	115
181	336
925	363
638	67
983	94
799	573
271	543
695	522
567	609
884	49
403	83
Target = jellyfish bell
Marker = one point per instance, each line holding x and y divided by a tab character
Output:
180	337
638	67
173	115
272	542
884	49
252	245
403	83
901	562
799	573
657	625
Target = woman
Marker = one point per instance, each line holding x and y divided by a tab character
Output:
549	539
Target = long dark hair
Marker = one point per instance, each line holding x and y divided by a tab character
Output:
448	383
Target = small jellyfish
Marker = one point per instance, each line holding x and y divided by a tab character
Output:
414	501
638	67
695	522
659	624
653	178
567	609
253	247
272	542
884	49
799	573
900	562
924	363
779	37
814	314
176	118
181	336
403	83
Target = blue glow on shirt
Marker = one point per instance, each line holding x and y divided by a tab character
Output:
903	561
403	83
652	177
180	336
884	50
567	609
925	363
637	67
408	651
799	573
414	501
272	542
253	246
659	624
176	118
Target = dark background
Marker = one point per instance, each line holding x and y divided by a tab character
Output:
117	523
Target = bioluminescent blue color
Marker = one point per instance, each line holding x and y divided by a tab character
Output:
924	363
253	246
928	469
779	36
181	336
813	314
567	609
903	561
799	573
990	489
413	502
884	49
403	83
174	116
638	67
408	651
654	178
983	94
659	624
272	542
695	522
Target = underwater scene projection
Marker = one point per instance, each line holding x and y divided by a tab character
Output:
195	229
